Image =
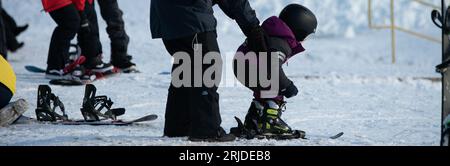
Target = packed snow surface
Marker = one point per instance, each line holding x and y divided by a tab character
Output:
346	79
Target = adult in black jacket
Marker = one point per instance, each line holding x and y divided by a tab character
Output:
194	112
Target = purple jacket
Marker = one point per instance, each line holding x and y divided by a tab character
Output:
275	27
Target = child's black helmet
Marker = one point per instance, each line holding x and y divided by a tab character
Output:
300	19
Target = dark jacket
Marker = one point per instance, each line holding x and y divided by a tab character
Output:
172	19
281	40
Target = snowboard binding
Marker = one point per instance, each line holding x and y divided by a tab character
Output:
94	105
47	104
263	120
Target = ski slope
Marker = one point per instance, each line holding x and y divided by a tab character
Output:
346	80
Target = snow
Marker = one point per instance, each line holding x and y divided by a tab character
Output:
346	79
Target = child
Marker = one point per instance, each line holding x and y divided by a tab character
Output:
72	17
284	36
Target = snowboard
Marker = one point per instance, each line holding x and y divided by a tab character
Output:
442	20
34	69
109	122
69	68
148	118
12	112
98	76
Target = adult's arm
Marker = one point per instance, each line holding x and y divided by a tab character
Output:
241	12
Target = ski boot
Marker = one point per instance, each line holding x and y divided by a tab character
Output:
263	120
47	104
94	105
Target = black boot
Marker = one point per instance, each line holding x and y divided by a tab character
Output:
20	29
124	64
96	65
16	46
221	136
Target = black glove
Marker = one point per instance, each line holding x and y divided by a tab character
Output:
289	91
85	27
256	40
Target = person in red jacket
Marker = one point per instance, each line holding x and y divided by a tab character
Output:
72	18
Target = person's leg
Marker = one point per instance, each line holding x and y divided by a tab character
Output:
201	104
17	30
5	96
89	41
112	15
177	119
8	19
205	115
177	116
3	50
68	23
11	41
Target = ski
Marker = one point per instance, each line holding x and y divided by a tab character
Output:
305	137
442	20
241	132
336	136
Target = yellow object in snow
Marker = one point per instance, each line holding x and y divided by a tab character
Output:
7	76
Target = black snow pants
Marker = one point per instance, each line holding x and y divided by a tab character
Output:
192	111
68	25
112	15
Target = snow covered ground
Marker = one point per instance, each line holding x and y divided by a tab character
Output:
346	80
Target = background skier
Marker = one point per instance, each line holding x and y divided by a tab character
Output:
194	112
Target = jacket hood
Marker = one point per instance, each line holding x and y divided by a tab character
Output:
275	27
